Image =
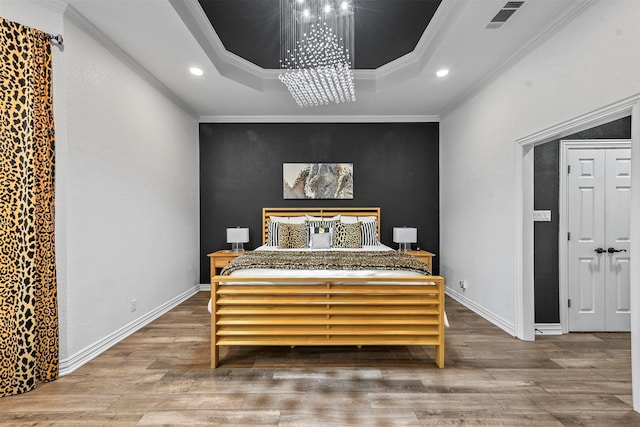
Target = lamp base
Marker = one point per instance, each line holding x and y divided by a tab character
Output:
404	247
237	247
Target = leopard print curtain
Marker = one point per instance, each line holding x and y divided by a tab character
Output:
28	301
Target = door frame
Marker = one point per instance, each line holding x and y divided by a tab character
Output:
563	209
523	188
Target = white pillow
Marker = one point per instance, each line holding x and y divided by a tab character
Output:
322	218
284	219
288	219
321	241
297	220
348	219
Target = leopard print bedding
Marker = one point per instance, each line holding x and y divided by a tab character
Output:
327	260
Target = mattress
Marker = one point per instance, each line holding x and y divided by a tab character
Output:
322	273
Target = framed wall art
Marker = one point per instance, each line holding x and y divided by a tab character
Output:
317	180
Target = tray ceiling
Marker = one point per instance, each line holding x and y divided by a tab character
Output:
400	46
384	30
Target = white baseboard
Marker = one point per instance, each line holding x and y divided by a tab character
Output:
548	329
501	323
205	286
72	363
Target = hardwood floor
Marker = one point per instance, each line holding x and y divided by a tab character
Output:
161	376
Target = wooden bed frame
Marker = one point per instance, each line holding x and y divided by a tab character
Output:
326	311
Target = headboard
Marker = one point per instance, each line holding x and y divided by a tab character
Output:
321	212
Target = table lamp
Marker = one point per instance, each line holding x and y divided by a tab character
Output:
405	236
237	237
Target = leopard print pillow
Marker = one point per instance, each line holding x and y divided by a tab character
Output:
347	235
292	236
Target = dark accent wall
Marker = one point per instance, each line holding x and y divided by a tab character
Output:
546	194
395	167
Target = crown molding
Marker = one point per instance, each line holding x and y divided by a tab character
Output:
57	6
569	14
84	24
321	119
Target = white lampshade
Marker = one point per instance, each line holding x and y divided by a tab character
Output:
405	236
237	237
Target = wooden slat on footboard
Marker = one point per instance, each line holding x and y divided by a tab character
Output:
337	311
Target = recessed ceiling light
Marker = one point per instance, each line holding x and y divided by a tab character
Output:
196	71
443	72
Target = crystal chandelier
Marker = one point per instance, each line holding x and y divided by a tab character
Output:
316	50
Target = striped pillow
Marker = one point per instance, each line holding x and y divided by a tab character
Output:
369	232
272	233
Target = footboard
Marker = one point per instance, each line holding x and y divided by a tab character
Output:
337	311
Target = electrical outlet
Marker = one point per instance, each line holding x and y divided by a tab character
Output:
134	305
463	285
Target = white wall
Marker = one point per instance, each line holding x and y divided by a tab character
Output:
127	213
590	63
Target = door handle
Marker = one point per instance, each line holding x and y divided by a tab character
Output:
612	250
600	250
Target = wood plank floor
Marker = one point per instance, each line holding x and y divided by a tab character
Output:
160	376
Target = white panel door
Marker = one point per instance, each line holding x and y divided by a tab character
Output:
598	223
586	239
618	207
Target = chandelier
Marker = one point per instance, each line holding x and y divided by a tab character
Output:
316	50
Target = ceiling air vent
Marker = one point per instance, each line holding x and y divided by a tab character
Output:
504	14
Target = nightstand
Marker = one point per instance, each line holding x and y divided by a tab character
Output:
219	259
424	256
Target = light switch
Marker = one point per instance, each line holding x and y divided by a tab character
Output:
542	215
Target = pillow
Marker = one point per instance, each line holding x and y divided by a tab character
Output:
279	219
272	233
369	232
348	219
322	218
321	226
292	236
297	219
321	241
367	219
321	223
347	235
319	229
288	219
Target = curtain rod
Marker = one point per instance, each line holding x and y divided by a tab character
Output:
56	39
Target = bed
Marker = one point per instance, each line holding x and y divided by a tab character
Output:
314	306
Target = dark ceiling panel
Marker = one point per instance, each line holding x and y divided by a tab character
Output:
385	30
